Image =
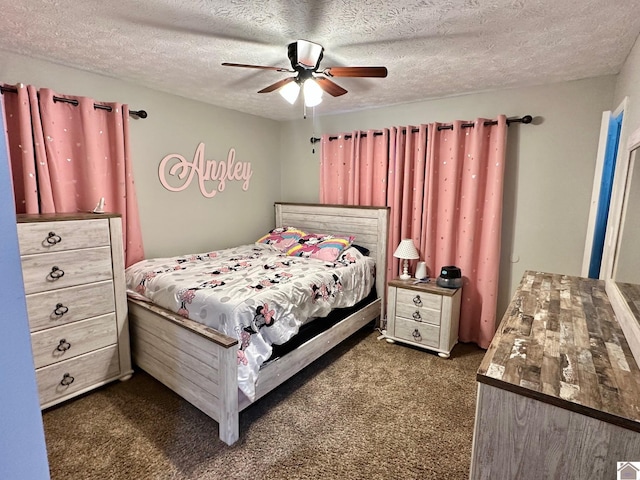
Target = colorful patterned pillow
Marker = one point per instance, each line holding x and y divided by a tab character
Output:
282	238
320	246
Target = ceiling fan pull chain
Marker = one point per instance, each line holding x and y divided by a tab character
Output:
313	149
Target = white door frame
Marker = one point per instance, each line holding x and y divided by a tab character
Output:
595	194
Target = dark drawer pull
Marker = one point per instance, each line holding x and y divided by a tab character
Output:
417	301
56	273
60	310
416	335
66	380
63	346
53	238
416	316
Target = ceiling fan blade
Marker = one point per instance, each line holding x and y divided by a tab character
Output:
263	67
330	87
277	85
355	71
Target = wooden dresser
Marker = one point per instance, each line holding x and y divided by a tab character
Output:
558	389
73	271
423	315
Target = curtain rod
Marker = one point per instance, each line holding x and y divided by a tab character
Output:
135	113
525	119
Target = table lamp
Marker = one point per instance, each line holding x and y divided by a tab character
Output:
406	251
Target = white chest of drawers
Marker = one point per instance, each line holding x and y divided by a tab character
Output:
423	315
73	272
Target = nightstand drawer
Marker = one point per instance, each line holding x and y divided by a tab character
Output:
81	373
67	341
419	314
45	237
416	332
67	305
413	298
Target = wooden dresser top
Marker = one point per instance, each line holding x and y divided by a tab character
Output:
560	342
59	217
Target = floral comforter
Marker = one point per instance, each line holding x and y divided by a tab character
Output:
254	293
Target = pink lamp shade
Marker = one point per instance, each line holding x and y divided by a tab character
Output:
406	251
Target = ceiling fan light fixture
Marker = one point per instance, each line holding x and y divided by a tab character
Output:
290	92
305	60
312	93
305	54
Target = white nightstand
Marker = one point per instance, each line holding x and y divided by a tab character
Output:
424	315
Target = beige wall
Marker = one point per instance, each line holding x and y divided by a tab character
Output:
628	85
549	173
178	222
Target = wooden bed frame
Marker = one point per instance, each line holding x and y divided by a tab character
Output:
200	364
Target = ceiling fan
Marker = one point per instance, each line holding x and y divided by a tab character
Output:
305	60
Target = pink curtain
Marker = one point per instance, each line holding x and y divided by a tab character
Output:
65	158
407	176
445	192
354	171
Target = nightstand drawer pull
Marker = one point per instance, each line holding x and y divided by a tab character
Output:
417	301
60	310
63	346
416	335
56	273
66	380
416	316
53	238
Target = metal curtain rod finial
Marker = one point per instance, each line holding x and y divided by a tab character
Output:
526	119
138	113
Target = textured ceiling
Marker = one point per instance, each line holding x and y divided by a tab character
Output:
432	48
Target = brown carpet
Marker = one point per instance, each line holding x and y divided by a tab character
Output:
366	410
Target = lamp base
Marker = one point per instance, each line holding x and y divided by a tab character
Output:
405	270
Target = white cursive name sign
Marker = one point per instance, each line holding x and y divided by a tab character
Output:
206	170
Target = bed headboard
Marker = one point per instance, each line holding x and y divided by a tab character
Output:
369	224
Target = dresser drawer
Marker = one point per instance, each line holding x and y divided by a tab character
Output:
79	267
77	374
416	332
42	237
67	341
66	305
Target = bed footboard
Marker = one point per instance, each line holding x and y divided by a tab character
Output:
196	362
